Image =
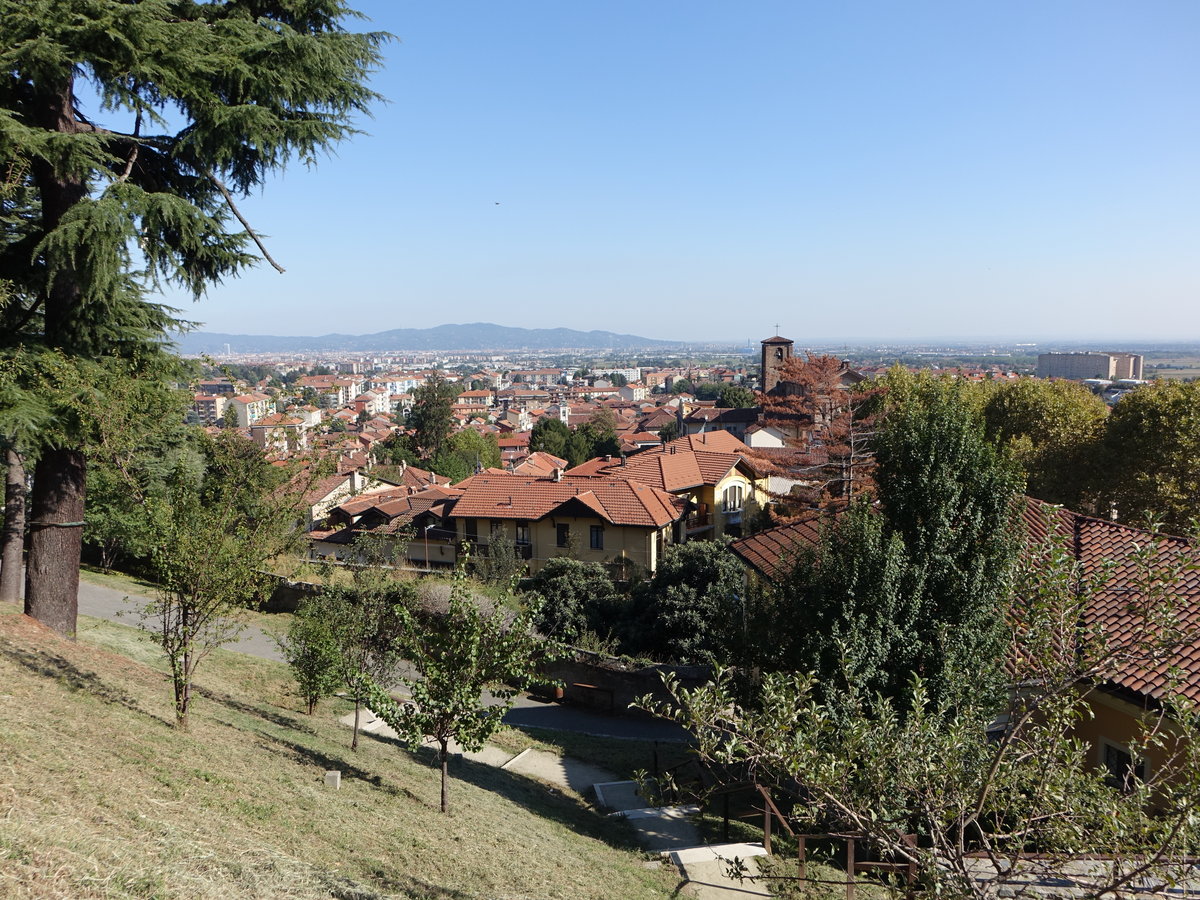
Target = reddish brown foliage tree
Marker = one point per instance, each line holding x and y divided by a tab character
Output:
824	411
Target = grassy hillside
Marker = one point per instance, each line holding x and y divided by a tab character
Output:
101	797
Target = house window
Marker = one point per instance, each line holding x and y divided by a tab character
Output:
1119	767
471	530
562	534
733	498
597	542
522	532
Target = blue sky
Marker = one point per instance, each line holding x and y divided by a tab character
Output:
701	170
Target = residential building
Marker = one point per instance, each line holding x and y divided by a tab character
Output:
1090	364
615	521
280	433
712	473
209	407
249	408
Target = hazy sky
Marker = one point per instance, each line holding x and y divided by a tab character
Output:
701	170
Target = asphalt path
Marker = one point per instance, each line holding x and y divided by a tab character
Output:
123	607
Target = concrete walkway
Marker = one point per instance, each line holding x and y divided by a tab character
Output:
666	830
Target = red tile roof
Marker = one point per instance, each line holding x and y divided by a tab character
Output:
615	500
540	464
686	463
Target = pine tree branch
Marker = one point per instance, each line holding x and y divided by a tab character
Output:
220	185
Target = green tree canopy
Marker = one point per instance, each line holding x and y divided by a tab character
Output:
734	396
575	597
433	413
1149	458
691	610
549	435
950	497
1052	428
198	104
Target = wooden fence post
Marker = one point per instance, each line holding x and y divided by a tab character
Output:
802	856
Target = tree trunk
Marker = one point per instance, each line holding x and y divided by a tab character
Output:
357	709
55	540
59	479
445	755
182	669
12	542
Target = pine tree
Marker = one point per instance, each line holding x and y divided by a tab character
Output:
124	208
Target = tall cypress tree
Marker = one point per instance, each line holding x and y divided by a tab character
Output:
249	84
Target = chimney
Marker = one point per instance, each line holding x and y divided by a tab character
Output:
608	457
557	473
403	465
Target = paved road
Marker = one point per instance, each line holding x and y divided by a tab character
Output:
102	602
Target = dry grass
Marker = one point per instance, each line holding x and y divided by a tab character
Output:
101	797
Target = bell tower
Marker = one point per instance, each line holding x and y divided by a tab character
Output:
776	351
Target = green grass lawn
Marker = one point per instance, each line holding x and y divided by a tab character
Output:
101	797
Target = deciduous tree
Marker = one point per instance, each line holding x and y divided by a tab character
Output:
734	396
212	537
549	435
1151	446
691	610
311	649
1052	428
829	424
456	656
575	597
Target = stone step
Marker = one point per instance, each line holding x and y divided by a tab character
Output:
713	852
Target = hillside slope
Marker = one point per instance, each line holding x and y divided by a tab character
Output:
101	797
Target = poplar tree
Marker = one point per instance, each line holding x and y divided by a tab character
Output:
197	103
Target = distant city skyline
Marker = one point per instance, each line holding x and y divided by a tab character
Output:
856	172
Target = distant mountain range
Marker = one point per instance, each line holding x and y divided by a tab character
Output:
475	336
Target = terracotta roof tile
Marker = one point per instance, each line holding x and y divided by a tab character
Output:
518	497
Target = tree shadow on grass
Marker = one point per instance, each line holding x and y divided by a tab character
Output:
258	711
327	762
75	679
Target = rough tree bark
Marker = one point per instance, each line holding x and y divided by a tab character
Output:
59	479
12	543
55	540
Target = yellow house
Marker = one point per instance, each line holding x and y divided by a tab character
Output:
710	472
620	523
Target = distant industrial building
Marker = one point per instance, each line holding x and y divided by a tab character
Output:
1090	364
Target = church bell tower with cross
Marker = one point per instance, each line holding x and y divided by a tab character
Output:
776	351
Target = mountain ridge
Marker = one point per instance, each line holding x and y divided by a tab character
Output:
467	336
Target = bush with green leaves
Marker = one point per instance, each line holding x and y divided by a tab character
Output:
691	610
310	647
576	597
